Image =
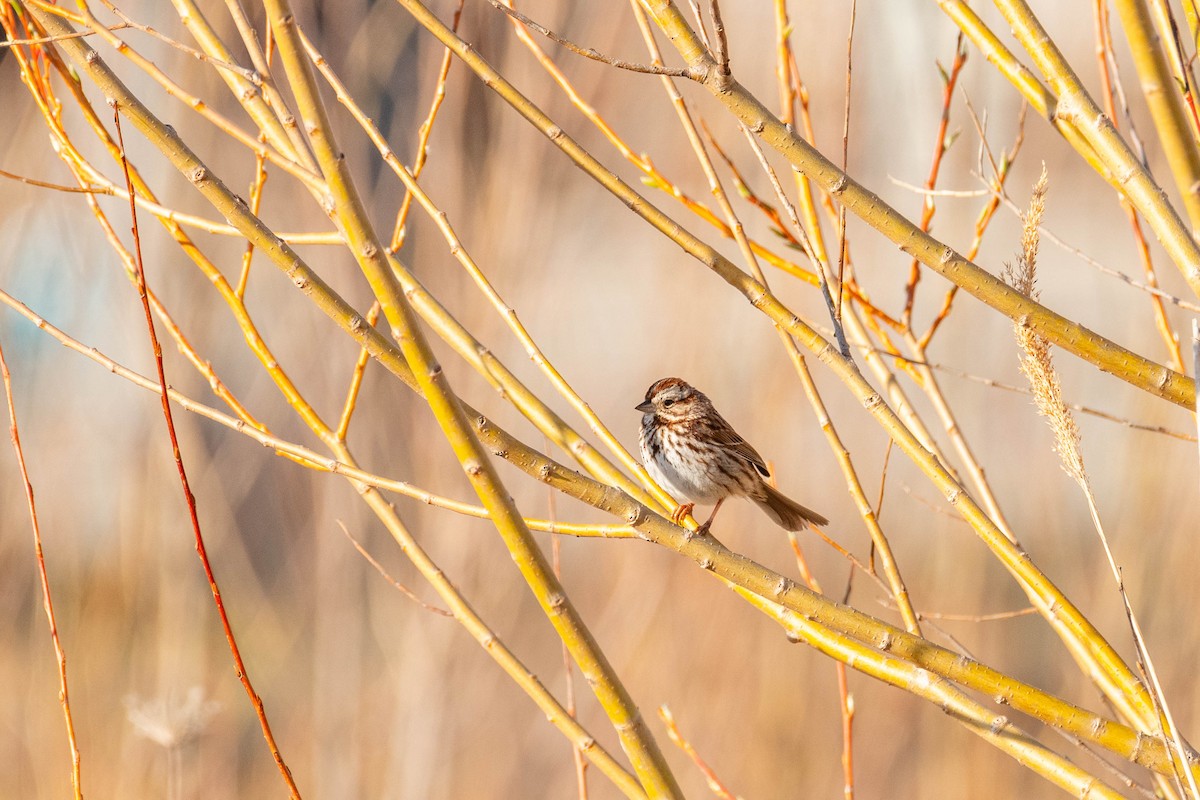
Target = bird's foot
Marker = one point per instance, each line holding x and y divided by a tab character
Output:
681	513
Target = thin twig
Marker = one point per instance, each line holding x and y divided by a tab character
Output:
847	707
581	783
404	590
845	161
303	456
58	187
248	74
823	270
846	700
1100	267
1095	412
721	45
400	229
1108	78
921	190
588	52
189	498
1062	243
44	577
95	184
52	39
887	455
993	617
1196	368
356	378
256	194
701	27
941	145
714	783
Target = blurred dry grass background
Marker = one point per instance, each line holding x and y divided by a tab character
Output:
371	695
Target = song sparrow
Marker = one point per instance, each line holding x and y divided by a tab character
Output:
694	453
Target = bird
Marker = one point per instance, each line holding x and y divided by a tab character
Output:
691	451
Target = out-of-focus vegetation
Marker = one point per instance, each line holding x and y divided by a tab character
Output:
577	229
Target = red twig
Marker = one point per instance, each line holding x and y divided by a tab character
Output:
929	208
982	222
189	498
714	783
41	562
1108	87
845	699
847	708
439	94
581	763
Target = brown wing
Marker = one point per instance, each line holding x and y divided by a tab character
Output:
727	437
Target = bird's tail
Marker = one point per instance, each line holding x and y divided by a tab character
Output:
787	513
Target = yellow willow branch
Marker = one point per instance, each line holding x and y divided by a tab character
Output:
272	247
775	588
1041	99
304	456
996	729
1077	107
350	321
1091	650
897	649
348	211
1108	356
484	362
264	104
1098	658
1165	102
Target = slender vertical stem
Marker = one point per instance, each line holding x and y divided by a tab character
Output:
201	551
64	697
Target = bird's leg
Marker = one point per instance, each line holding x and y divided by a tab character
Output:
703	529
681	512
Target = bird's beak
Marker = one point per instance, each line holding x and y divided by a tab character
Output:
646	407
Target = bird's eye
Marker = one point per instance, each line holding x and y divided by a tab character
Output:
668	403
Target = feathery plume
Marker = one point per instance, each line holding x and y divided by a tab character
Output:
1036	361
